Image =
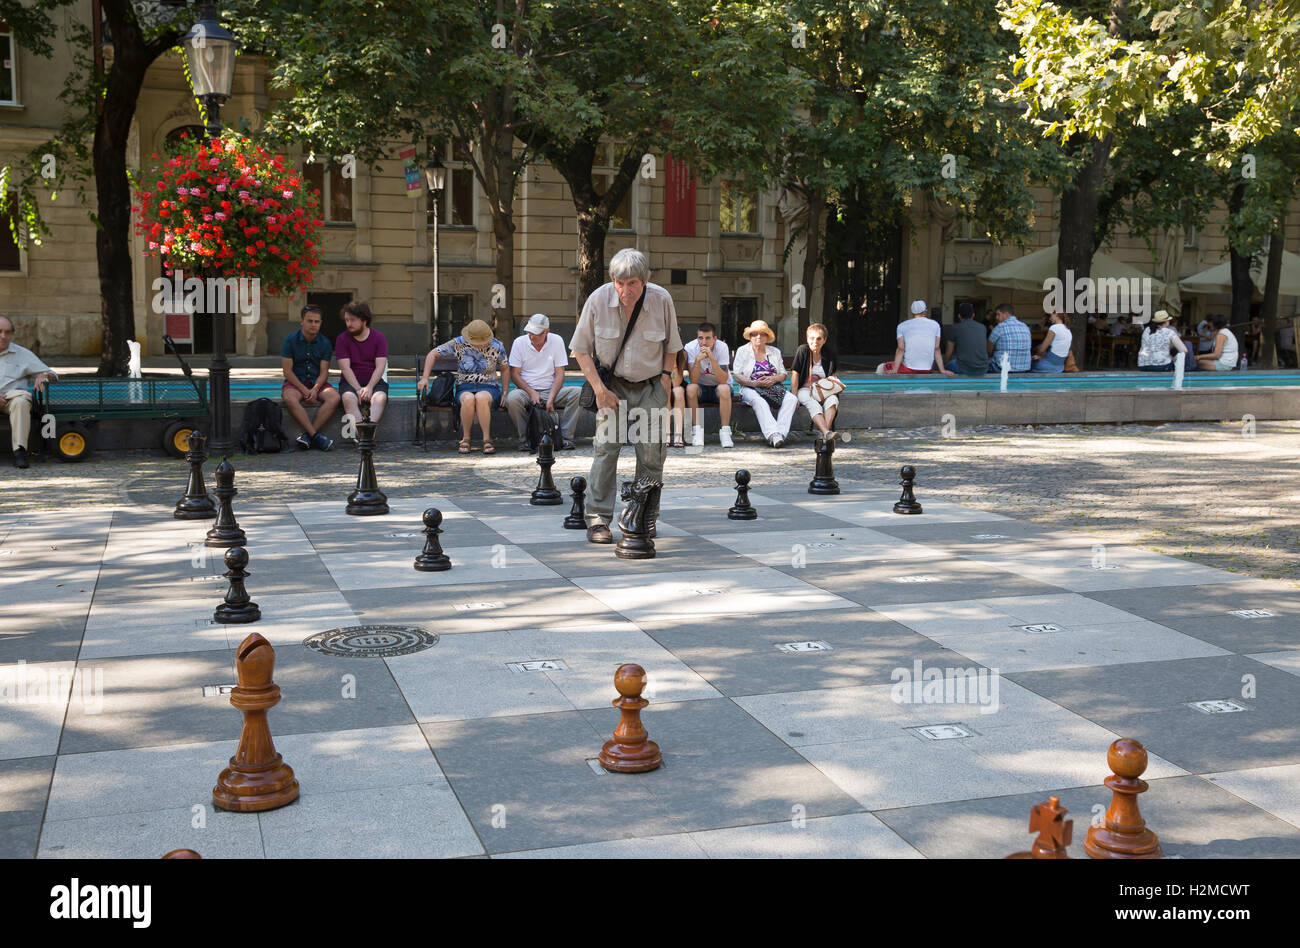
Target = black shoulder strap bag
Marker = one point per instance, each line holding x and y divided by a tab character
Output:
587	397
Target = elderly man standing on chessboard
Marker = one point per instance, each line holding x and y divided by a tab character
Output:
632	369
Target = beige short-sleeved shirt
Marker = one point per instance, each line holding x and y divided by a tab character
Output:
17	365
601	325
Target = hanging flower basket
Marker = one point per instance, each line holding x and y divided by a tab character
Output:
230	208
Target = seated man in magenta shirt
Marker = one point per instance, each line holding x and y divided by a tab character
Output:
363	358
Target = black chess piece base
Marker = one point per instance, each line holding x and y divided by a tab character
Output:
367	503
432	562
742	513
631	547
907	508
227	614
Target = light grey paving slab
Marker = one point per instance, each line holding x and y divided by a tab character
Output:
67	585
49	634
876	712
1285	661
1077	645
707	498
1275	790
850	836
358	824
380	570
1124	568
34	698
678	846
468	607
821	549
18	841
594	655
165	626
149	835
361	759
1068	753
725	592
465	676
138	780
870	513
902	771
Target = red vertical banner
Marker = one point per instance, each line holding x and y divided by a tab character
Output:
679	199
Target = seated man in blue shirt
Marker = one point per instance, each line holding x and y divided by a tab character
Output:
1011	336
306	356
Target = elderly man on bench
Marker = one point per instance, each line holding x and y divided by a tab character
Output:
17	365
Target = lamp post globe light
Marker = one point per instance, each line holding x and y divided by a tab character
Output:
210	54
435	175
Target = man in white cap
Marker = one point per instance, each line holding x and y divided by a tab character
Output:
918	344
539	360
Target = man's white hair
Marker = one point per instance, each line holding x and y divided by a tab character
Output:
629	263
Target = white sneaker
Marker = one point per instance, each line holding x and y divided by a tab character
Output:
724	436
697	436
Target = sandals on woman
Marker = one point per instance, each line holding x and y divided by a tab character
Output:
464	447
677	442
489	448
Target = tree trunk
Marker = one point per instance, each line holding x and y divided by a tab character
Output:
816	205
1242	287
1272	282
131	59
1078	240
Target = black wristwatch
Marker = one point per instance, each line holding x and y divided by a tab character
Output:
667	373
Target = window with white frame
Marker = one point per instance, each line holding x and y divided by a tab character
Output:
738	209
335	189
456	199
8	66
603	172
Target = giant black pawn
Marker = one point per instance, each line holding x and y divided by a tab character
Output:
431	558
576	520
238	607
196	504
824	481
742	509
367	500
907	502
225	532
545	494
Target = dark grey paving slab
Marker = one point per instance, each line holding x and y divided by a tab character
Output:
944	579
19	841
1149	701
739	655
479	606
382	534
157	699
770	517
1192	818
1206	612
268	575
671	554
24	788
44	632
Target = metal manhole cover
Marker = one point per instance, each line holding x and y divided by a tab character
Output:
371	641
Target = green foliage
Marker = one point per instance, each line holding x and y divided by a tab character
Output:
1238	61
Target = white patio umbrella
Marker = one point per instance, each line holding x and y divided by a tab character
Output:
1218	280
1028	273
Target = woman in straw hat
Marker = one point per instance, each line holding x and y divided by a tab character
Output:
479	355
1156	351
760	371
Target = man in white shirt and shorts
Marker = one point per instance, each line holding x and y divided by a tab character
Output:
707	356
918	345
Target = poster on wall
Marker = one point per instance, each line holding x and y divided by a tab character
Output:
413	182
679	198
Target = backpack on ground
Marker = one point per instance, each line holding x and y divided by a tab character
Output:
262	431
540	422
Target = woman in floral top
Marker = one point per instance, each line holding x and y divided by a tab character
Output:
477	389
758	366
1156	353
